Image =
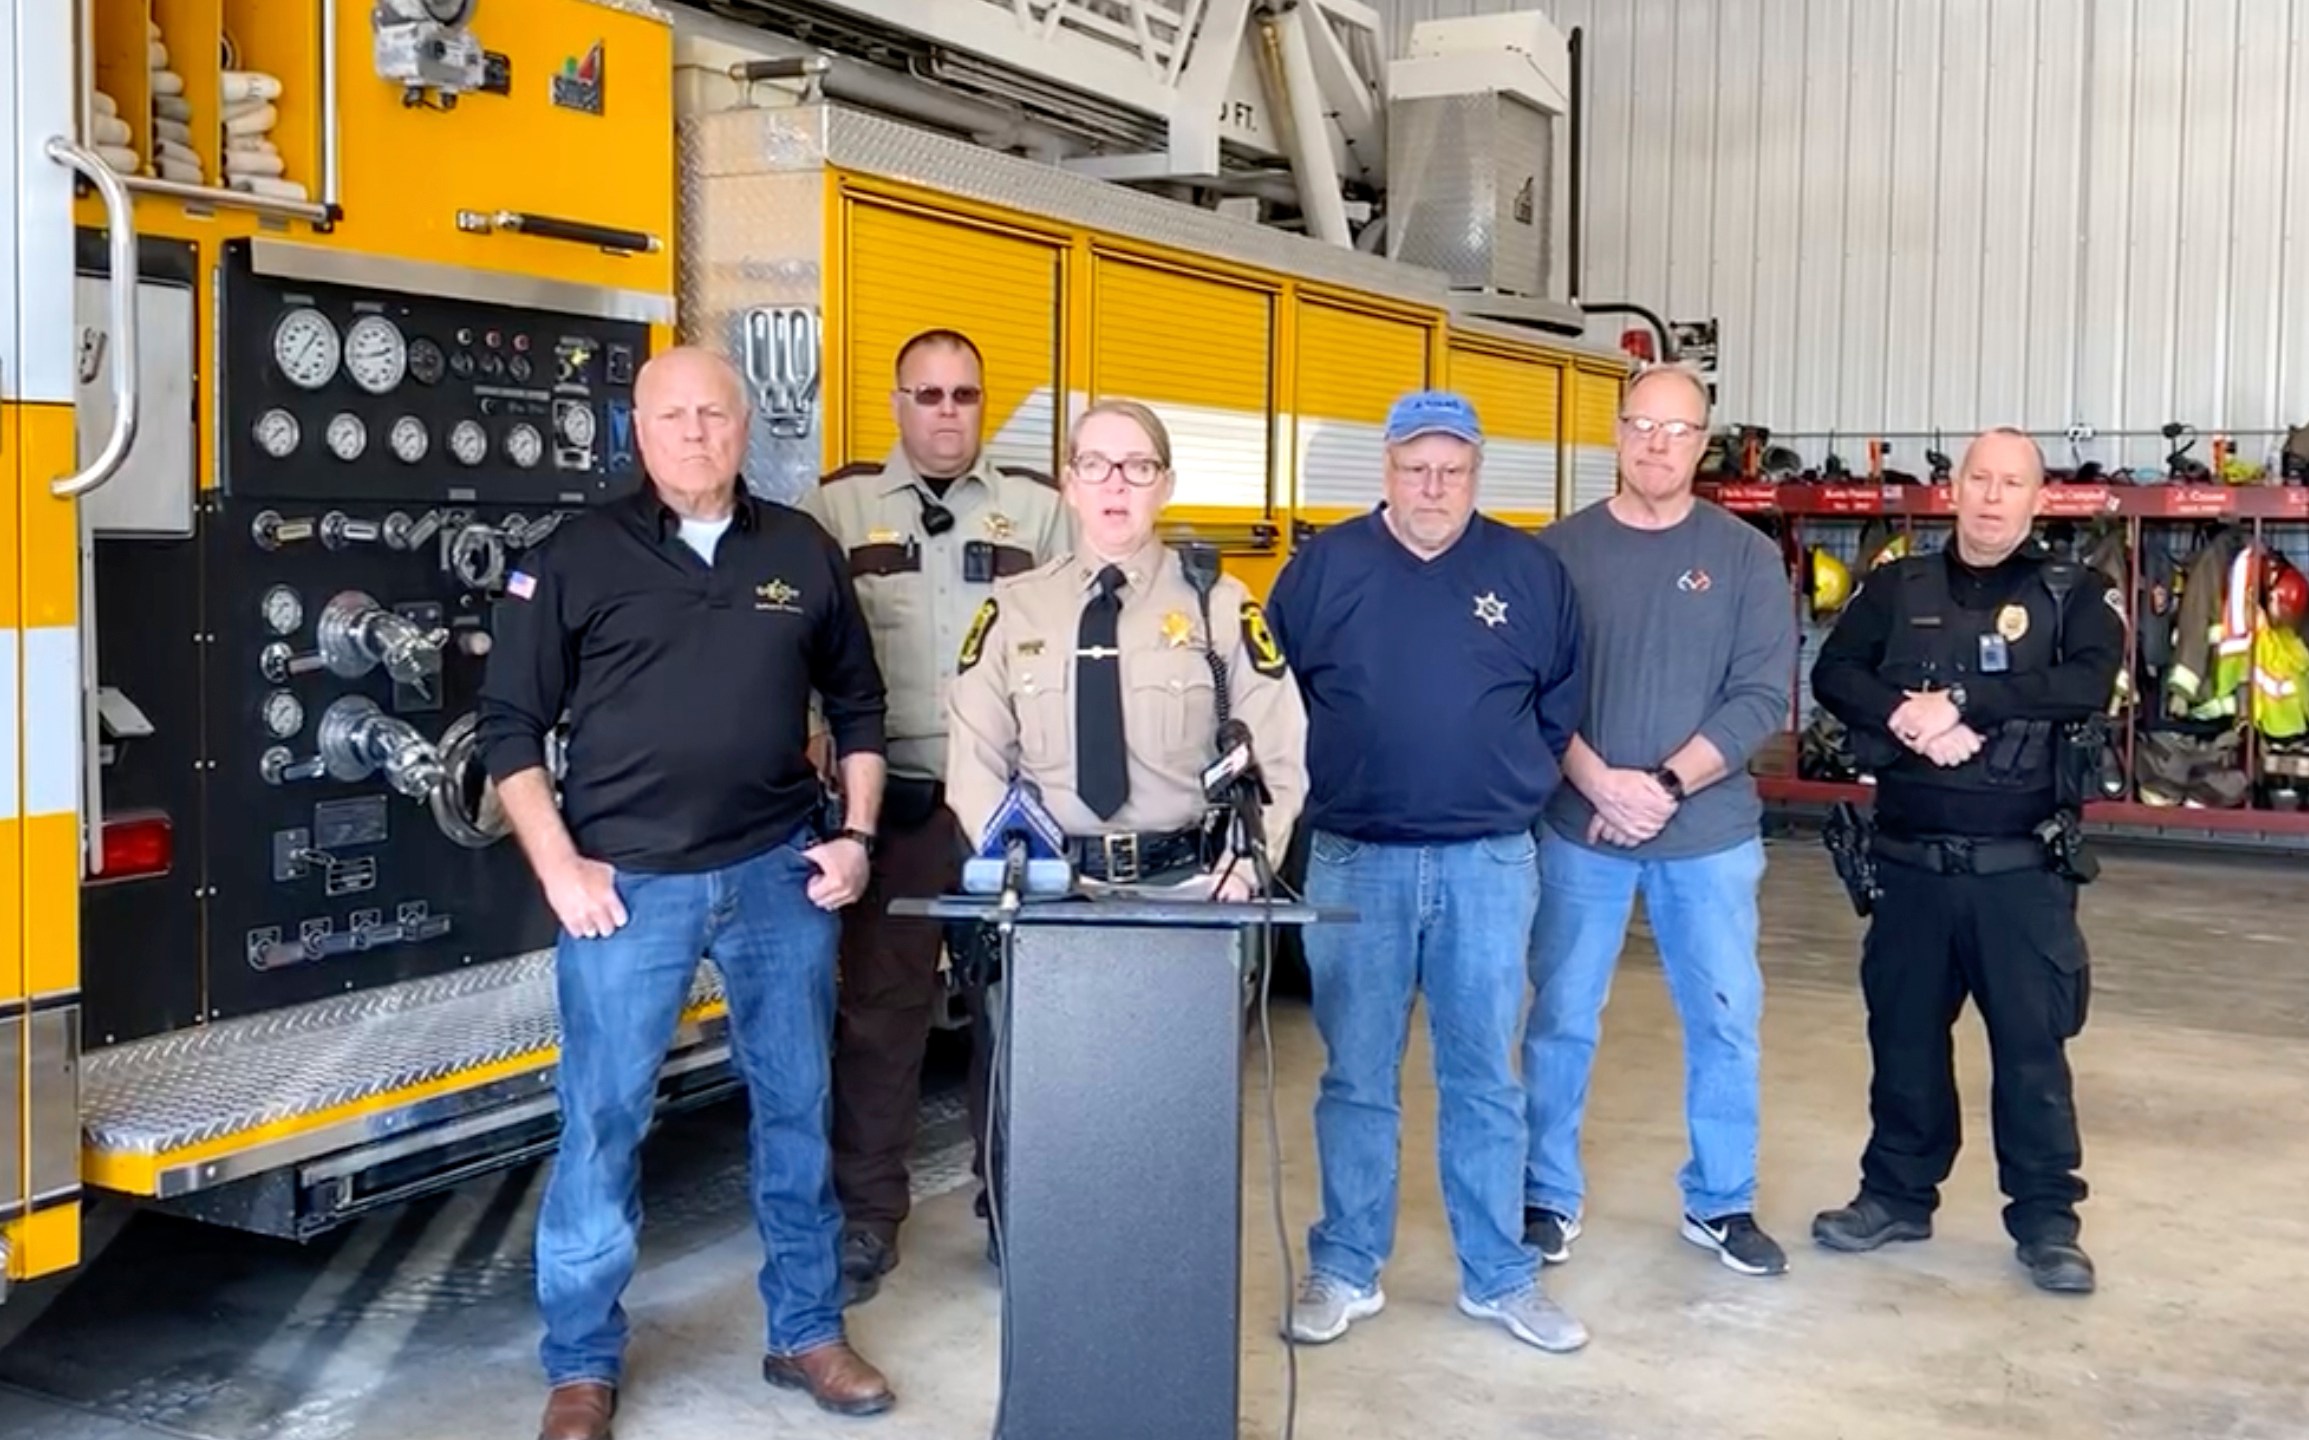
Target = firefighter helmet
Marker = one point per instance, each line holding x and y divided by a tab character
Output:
2288	593
1830	583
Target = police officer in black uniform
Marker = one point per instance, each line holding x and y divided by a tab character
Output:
1973	682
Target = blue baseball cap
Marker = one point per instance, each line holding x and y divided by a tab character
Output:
1433	412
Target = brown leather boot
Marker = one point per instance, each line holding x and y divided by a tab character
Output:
579	1410
834	1376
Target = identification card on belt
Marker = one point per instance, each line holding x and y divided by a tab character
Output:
1995	658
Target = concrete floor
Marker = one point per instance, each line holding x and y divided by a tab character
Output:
417	1325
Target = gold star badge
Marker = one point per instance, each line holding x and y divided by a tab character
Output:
2012	622
997	526
1177	629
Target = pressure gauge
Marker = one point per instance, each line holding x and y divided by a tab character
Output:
409	440
426	362
284	612
284	716
577	424
348	437
306	347
375	354
524	445
469	442
277	433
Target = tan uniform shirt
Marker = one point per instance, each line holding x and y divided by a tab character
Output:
1013	704
915	586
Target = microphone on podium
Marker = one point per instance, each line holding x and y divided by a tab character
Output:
1022	850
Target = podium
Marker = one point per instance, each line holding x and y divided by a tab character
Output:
1120	1124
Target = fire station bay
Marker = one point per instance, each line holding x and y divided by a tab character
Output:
1154	719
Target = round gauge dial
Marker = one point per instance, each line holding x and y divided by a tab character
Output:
469	442
284	612
577	425
409	440
524	446
277	433
306	347
518	367
348	437
375	354
426	362
284	716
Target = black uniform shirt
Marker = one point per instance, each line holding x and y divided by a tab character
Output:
1845	680
687	686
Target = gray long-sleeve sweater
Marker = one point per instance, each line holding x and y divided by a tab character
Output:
1688	630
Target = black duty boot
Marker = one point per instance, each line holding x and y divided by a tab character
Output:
866	1258
1865	1224
2060	1266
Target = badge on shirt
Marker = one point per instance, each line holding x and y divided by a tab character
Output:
998	525
1177	629
1995	659
2012	622
883	537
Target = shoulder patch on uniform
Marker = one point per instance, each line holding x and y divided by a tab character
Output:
974	639
1027	472
851	471
1266	655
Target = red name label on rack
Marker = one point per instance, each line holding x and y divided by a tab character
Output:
1748	498
2198	500
2080	501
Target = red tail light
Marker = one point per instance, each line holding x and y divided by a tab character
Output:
136	846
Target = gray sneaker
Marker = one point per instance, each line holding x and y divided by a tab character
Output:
1530	1317
1327	1305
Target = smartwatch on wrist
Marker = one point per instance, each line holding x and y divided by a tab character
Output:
1671	782
1957	697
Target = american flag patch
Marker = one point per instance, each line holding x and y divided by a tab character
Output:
520	585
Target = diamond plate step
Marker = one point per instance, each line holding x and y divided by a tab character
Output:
263	1073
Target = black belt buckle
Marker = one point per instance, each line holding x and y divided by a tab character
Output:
1957	857
1120	853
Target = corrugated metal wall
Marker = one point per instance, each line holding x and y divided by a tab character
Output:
1934	215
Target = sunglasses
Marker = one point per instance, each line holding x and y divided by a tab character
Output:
930	397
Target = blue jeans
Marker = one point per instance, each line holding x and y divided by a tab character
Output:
1702	911
1452	921
621	998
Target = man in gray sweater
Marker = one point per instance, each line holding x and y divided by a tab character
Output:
1690	637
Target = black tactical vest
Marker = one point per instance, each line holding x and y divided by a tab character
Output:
1934	644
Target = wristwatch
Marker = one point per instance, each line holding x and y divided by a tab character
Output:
863	837
1671	782
1957	697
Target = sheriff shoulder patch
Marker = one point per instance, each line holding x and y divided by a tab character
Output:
974	639
1266	655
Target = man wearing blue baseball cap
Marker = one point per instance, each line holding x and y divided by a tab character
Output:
1438	652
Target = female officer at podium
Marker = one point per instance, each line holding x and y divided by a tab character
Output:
1103	677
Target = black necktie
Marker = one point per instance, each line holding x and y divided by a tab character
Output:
1102	773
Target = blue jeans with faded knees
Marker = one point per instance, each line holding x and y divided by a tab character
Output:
1451	921
1702	910
621	997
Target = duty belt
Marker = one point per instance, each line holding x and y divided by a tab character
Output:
1128	856
1956	855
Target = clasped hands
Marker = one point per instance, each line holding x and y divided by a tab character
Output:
1630	808
1927	722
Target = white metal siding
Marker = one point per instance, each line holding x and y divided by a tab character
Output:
1935	215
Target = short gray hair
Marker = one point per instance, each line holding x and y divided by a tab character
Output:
1686	373
2035	451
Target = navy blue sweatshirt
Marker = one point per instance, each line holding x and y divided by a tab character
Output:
1441	694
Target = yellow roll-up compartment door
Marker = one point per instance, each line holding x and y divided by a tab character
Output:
1594	435
906	270
1519	397
1199	347
1351	364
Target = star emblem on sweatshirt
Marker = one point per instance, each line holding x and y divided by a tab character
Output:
1490	609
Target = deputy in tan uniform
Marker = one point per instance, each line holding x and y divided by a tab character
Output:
1091	677
928	531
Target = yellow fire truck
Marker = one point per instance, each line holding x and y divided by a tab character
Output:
314	314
